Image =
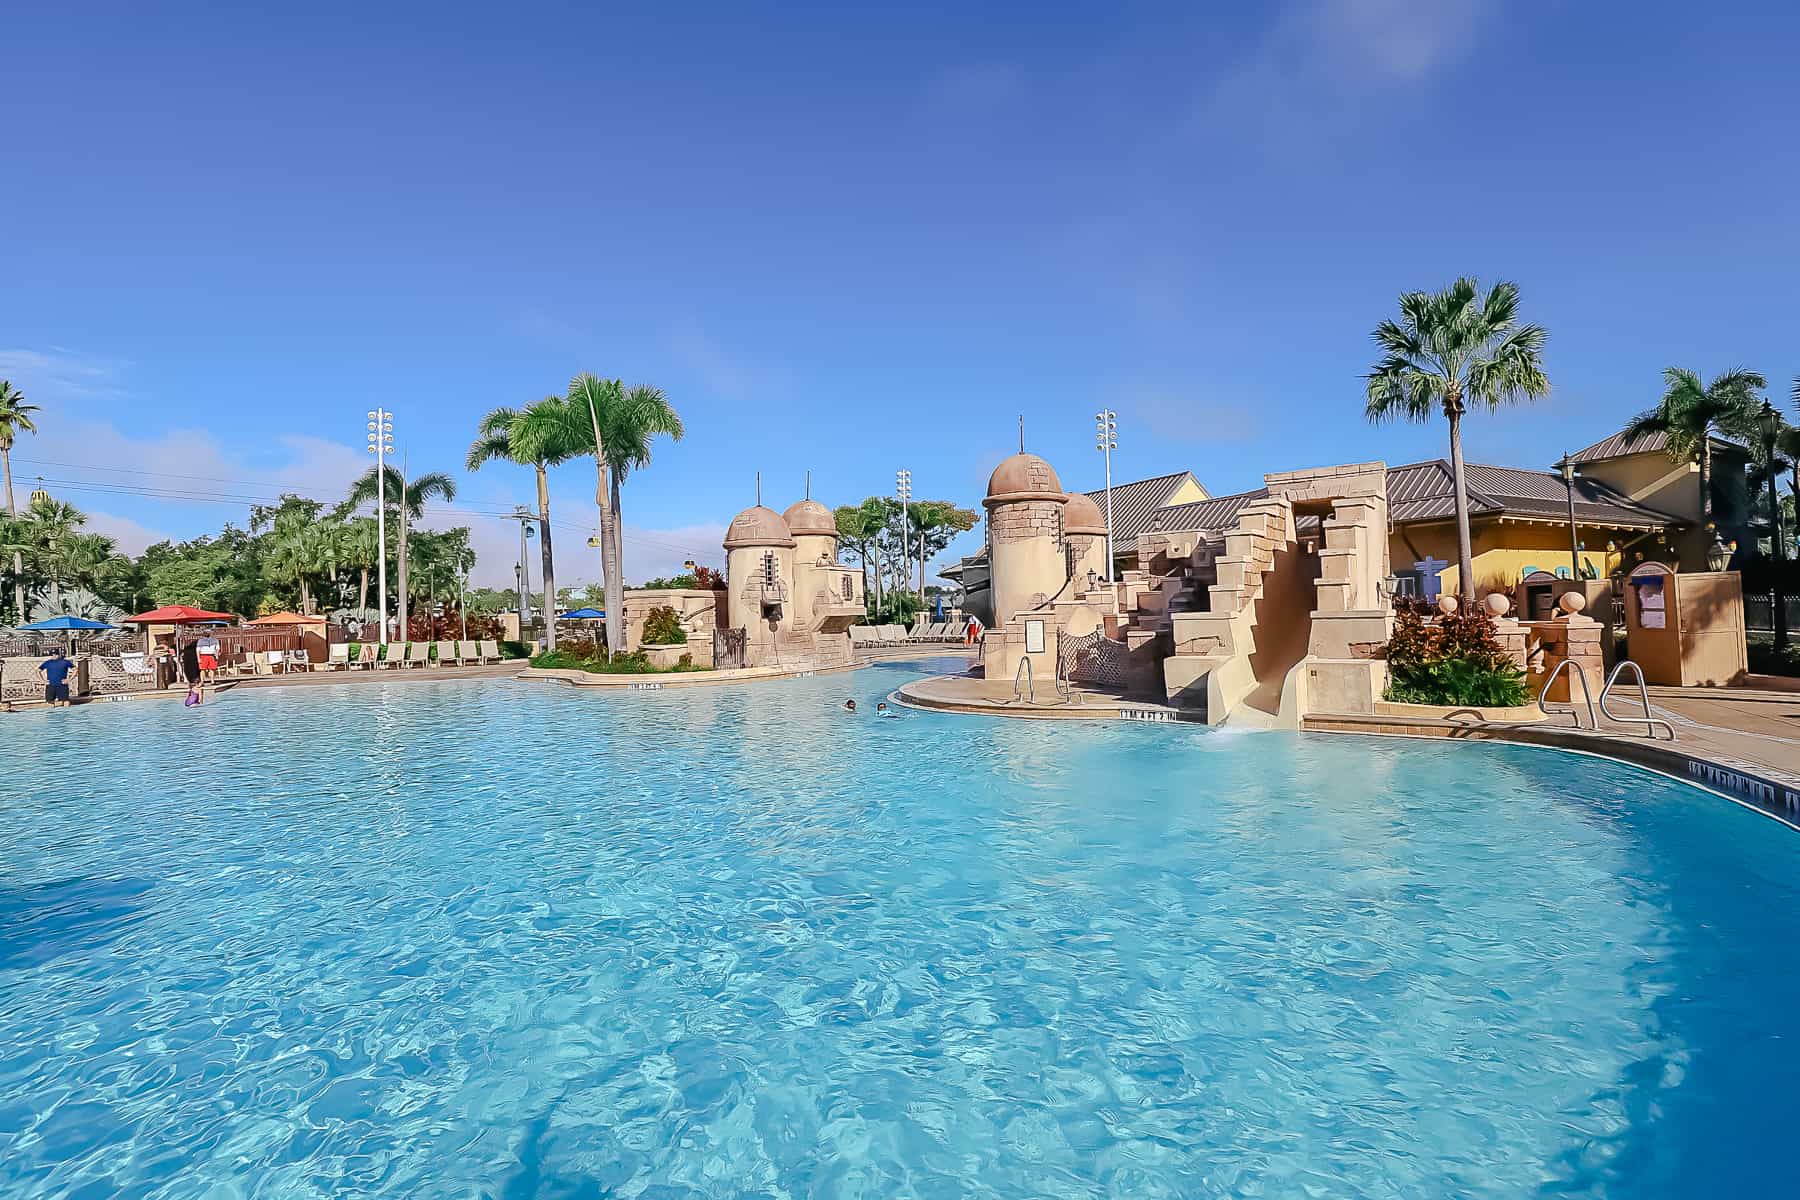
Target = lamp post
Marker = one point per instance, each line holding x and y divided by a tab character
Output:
1770	422
903	489
1106	440
523	516
381	444
1567	466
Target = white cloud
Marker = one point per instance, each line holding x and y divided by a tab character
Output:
59	374
129	536
649	553
1322	62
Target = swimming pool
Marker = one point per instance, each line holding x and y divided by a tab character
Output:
502	939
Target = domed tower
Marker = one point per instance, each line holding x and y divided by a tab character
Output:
815	546
1025	503
759	571
1084	533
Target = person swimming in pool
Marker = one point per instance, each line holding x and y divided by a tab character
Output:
882	710
849	706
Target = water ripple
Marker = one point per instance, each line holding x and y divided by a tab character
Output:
497	940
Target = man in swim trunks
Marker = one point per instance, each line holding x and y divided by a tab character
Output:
208	648
55	671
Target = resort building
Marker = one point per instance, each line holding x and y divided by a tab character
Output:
1632	504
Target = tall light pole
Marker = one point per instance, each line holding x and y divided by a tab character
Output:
381	444
1770	422
523	516
903	489
1567	466
1106	440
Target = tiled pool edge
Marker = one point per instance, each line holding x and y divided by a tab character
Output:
1751	786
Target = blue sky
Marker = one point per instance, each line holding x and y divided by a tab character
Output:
852	239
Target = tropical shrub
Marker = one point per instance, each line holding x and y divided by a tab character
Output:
662	627
635	663
1455	660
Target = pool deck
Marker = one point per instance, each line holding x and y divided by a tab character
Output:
499	670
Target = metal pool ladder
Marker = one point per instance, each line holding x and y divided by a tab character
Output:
1586	694
1649	722
1024	672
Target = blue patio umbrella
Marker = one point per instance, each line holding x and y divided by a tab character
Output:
583	614
65	625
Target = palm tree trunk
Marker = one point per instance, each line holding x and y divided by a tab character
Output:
615	573
877	549
543	482
402	571
1465	557
362	593
12	509
1706	507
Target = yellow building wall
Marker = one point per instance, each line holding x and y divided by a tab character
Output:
1189	492
1502	551
1652	479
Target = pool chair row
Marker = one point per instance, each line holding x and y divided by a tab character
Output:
403	655
875	637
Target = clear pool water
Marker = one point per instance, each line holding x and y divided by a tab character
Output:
504	940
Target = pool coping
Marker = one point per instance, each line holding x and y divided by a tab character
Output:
1750	785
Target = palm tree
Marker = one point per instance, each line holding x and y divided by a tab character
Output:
859	525
642	414
541	436
1692	411
53	524
15	418
406	503
589	396
361	545
1448	350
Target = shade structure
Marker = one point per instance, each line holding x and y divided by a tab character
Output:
583	614
286	618
180	614
65	624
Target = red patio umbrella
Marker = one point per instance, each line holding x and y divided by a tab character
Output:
179	614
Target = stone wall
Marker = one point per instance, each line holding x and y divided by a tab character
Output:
1017	520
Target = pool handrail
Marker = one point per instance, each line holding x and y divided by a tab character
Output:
1024	672
1586	694
1648	721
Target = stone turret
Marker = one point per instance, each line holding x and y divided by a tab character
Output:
759	572
1025	503
815	536
1084	534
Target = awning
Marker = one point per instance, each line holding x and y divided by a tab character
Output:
180	614
287	618
65	624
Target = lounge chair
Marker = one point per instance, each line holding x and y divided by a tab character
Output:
446	654
468	654
418	654
386	655
366	653
894	635
337	658
490	650
859	636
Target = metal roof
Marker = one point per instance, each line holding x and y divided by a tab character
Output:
1423	491
1620	446
1134	504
